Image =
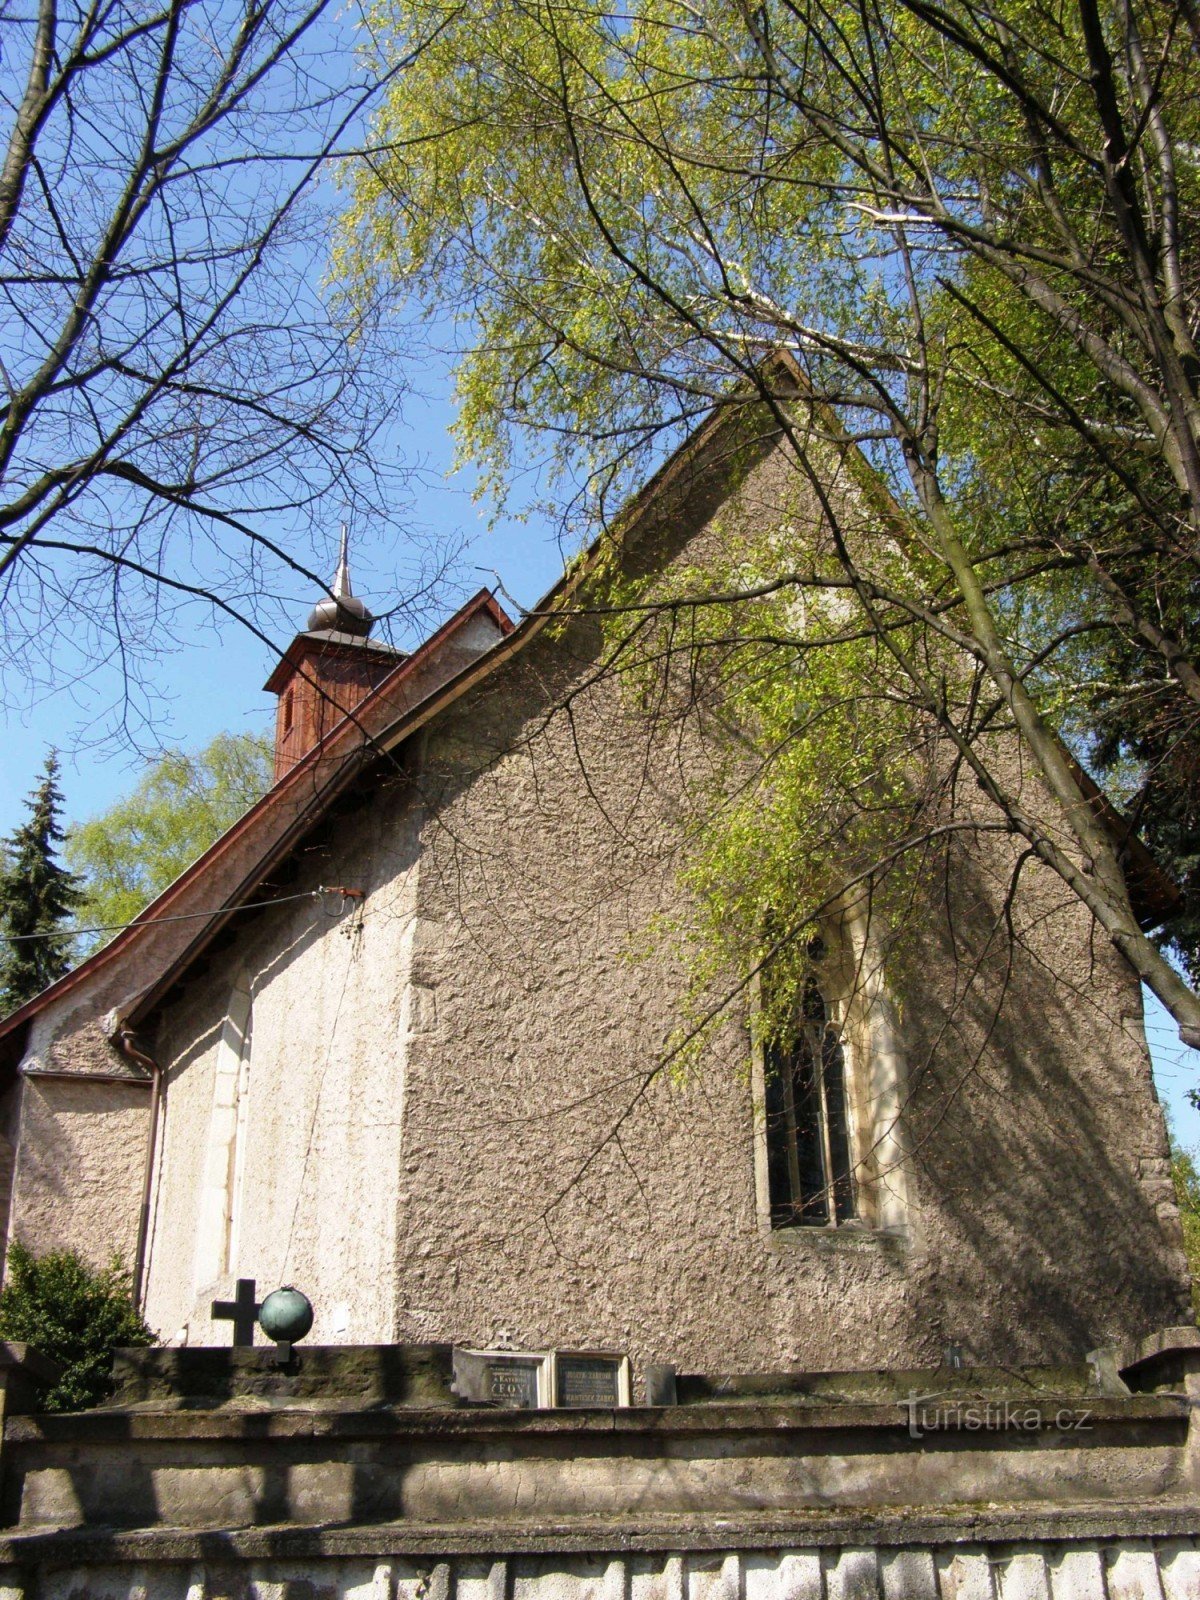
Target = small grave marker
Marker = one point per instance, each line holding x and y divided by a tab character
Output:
242	1311
526	1379
514	1383
588	1381
492	1377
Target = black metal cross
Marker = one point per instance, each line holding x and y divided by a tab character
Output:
242	1311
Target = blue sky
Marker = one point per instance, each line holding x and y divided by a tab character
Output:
1176	1070
214	684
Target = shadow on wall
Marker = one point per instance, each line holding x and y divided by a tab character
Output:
119	1482
1035	1132
235	1471
1031	1121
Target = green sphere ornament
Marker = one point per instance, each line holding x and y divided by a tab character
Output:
285	1315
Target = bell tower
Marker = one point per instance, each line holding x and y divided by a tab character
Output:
327	670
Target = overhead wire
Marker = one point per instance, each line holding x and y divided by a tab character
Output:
187	916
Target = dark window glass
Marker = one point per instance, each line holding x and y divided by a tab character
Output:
809	1167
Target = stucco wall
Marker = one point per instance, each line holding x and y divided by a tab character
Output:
565	1192
79	1167
455	1122
70	1030
322	1158
80	1147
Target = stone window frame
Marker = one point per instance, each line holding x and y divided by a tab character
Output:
859	1006
813	1138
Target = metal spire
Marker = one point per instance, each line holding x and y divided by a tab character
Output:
341	583
339	611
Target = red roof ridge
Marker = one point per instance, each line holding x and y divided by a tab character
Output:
483	601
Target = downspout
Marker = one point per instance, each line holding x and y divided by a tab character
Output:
125	1041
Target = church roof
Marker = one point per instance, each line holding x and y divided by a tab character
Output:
409	698
234	865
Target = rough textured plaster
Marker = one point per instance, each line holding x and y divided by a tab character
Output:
455	1128
556	1193
79	1168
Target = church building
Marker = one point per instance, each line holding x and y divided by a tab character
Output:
398	1039
381	1050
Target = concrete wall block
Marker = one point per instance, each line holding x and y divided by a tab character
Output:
1023	1576
1078	1574
583	1578
230	1482
655	1577
364	1581
275	1584
127	1581
1179	1569
1128	1571
908	1575
965	1575
791	1575
480	1580
297	1580
712	1577
852	1575
383	1582
422	1580
1132	1573
301	1580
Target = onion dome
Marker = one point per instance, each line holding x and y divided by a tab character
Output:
342	611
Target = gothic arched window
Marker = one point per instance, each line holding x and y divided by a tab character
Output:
810	1168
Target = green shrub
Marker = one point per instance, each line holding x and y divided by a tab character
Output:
75	1314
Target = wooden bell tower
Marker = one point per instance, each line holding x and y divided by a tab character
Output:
327	670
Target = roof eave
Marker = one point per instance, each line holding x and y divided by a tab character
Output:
313	644
482	603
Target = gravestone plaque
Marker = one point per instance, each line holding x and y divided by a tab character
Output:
588	1381
513	1383
495	1378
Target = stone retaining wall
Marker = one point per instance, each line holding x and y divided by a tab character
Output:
1124	1569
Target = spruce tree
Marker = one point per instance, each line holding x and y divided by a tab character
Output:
37	896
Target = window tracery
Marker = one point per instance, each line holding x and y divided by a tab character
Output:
810	1157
